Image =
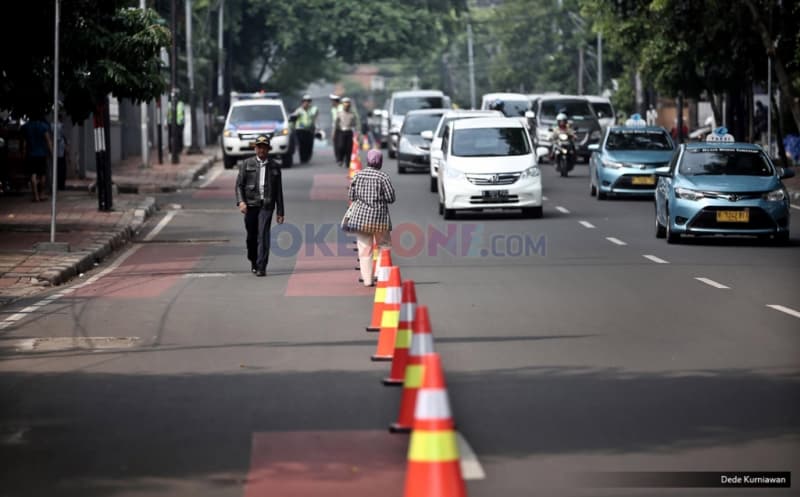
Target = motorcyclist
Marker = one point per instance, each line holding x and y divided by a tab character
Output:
562	127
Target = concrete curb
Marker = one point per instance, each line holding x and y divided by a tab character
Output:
77	263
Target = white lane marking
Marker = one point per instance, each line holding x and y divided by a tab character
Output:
713	283
586	224
795	207
10	320
545	198
471	468
206	275
160	226
212	178
615	241
655	259
563	210
785	310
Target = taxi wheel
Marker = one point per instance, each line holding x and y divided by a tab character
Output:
601	195
661	230
434	185
671	237
782	239
592	189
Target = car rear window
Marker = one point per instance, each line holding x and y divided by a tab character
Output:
416	124
404	104
602	109
638	140
251	113
515	108
490	142
574	109
728	162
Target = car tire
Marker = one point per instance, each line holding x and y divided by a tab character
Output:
592	189
441	209
782	239
449	213
671	237
434	185
401	169
392	153
228	162
533	212
601	195
661	230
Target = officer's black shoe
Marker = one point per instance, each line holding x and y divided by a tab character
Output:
261	272
253	268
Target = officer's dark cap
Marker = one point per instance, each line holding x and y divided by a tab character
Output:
262	140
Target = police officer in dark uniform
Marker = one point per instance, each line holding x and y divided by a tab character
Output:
258	193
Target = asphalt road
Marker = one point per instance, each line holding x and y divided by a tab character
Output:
601	349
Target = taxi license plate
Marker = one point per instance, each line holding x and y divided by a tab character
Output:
643	180
742	216
495	195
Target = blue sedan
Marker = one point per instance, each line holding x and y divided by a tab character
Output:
625	160
721	187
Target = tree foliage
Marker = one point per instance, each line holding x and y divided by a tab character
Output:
105	47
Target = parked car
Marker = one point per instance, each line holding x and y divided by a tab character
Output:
721	187
403	101
603	110
489	163
625	161
436	138
413	151
580	115
247	119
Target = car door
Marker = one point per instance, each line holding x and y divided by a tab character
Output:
664	187
443	164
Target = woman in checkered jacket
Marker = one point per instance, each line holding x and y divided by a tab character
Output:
371	192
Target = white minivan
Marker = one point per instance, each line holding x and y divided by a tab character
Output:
489	163
403	101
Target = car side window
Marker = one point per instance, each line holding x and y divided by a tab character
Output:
446	141
673	164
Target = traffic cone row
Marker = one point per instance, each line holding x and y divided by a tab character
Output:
406	339
355	160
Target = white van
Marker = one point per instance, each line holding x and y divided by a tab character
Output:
403	101
489	163
603	109
514	104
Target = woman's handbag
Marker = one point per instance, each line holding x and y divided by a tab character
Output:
346	218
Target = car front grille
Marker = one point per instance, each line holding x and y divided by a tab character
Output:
498	179
707	219
477	199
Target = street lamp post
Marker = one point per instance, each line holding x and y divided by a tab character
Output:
194	148
173	114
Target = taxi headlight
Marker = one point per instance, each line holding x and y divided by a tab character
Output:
285	131
227	133
531	172
778	195
453	173
612	164
687	194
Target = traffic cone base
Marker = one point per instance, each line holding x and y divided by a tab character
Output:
411	384
381	278
424	479
390	318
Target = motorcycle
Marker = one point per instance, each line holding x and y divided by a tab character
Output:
564	154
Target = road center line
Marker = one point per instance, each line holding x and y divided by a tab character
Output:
615	241
545	198
785	310
655	259
713	283
214	175
471	468
586	224
563	210
10	320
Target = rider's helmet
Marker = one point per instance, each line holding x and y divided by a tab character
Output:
561	119
497	105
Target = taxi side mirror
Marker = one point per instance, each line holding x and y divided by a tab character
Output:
663	172
427	135
787	172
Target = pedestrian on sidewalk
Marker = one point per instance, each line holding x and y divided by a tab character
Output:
63	153
371	192
345	125
259	192
37	147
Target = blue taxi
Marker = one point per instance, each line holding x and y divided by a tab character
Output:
721	186
623	163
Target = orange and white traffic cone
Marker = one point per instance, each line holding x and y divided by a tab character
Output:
390	318
382	273
355	160
405	332
421	345
434	467
364	142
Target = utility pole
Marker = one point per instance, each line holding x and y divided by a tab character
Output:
194	148
471	56
580	70
57	128
599	63
221	56
143	111
173	100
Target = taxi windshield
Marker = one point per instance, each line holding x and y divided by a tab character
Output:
717	162
490	142
252	113
638	140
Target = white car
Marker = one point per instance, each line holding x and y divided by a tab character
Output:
436	137
604	110
403	101
249	118
489	163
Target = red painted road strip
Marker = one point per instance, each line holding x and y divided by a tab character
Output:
330	187
327	463
321	275
222	187
148	273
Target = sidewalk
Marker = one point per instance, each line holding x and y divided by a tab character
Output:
92	235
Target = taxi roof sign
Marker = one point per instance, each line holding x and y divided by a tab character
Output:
720	135
636	121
